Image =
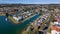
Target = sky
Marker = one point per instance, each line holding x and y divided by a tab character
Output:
30	1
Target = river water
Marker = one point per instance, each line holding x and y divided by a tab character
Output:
7	27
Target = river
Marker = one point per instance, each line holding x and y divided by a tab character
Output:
7	27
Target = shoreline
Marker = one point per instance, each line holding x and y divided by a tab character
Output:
2	14
13	20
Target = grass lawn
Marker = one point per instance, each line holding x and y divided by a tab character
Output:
25	32
49	30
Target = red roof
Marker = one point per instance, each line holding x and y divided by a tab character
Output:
55	28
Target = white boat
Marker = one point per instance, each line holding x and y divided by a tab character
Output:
6	19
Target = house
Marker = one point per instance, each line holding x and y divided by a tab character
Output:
55	29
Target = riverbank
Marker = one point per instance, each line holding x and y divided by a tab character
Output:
13	20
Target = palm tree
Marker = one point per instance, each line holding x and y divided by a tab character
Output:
7	15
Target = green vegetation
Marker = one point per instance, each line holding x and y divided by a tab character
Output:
41	12
49	30
52	18
25	32
7	14
2	14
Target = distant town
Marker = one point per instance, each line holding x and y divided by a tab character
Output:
30	18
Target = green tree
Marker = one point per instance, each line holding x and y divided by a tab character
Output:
7	14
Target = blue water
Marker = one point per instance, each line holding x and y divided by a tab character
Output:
7	27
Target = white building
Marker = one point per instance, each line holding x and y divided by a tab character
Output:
56	10
17	18
56	28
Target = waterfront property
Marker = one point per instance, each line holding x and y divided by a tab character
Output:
7	27
21	17
37	25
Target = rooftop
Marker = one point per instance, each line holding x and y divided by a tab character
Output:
55	28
